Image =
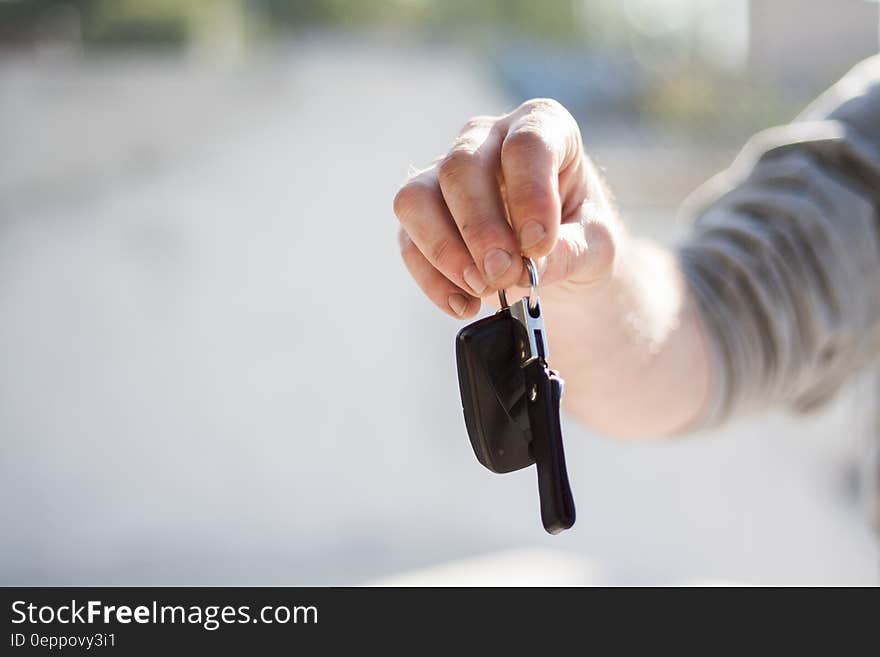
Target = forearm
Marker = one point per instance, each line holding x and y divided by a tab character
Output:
631	347
772	300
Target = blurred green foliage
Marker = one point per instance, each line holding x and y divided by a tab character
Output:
576	50
556	20
552	19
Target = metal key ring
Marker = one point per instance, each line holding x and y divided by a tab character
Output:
532	270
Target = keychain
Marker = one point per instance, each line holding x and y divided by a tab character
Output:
511	398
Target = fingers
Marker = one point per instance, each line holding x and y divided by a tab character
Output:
422	212
584	253
542	141
468	177
510	185
438	288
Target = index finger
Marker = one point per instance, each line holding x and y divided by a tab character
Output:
542	141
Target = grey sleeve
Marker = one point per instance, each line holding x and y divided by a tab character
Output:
784	259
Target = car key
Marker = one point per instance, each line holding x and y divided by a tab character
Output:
511	399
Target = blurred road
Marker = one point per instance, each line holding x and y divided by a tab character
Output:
215	370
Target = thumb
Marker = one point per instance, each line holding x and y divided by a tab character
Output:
583	254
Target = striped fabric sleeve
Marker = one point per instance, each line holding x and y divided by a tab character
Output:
784	258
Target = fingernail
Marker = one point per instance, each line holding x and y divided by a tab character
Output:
531	235
458	304
496	262
474	279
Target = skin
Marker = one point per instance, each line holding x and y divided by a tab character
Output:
623	328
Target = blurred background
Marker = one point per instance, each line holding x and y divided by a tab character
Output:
214	368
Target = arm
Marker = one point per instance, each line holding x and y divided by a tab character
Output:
774	299
782	275
784	261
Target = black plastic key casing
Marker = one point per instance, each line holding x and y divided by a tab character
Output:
511	410
492	387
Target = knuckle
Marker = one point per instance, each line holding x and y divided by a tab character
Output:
458	162
534	193
543	106
479	231
553	123
477	123
412	197
440	253
527	141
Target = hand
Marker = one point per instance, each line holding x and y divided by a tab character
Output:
510	185
621	322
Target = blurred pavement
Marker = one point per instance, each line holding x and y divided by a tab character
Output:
215	370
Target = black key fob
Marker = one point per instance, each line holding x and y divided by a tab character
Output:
493	392
511	400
